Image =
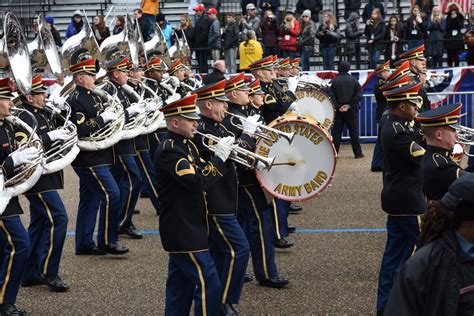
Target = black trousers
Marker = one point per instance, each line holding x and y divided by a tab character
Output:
201	56
351	120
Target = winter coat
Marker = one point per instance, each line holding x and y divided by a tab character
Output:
329	38
351	6
231	35
353	35
367	13
414	32
388	42
251	23
434	45
426	9
289	37
306	39
214	38
149	7
453	35
73	28
269	33
100	36
201	32
243	4
377	34
315	6
269	4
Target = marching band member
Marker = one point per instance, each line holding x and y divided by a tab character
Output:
284	68
295	70
178	71
182	179
48	216
402	194
98	189
125	170
228	244
254	214
14	241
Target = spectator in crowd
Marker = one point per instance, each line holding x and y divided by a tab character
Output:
165	27
415	28
269	5
200	36
426	6
56	36
250	21
369	7
270	33
185	27
328	36
469	39
453	37
231	42
393	39
353	34
436	27
75	26
306	39
217	74
314	6
244	3
142	23
191	12
214	37
289	31
149	11
351	6
249	51
208	4
347	93
119	24
375	32
101	31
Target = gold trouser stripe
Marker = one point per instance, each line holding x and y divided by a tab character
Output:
231	266
203	284
418	219
260	231
51	233
156	137
147	174
129	191
275	213
107	204
10	262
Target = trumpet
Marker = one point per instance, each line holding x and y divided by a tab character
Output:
238	154
264	131
465	137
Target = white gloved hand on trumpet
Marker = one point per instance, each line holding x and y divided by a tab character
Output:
108	115
250	124
292	84
135	108
151	106
224	147
25	156
58	134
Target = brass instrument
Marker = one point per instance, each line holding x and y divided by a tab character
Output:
238	154
465	137
157	46
124	43
135	125
264	131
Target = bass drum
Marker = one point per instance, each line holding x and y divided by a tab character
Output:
314	102
302	169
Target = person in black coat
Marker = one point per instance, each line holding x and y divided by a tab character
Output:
347	93
269	5
217	73
425	6
315	6
143	24
436	28
375	32
415	28
231	42
351	6
393	39
453	36
438	279
353	34
199	39
369	7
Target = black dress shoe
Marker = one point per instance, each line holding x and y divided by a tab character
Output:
136	211
144	194
90	252
248	278
55	283
376	169
10	310
277	282
282	243
291	229
295	209
115	249
228	310
28	283
131	232
359	156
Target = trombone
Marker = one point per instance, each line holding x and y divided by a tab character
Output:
264	131
238	154
465	137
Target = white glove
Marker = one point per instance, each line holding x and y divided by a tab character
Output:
151	106
292	84
174	81
135	108
25	156
59	101
172	98
251	123
58	134
292	107
260	166
224	147
108	115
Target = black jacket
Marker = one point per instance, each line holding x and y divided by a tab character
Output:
182	179
377	34
351	6
315	6
346	90
380	99
231	36
375	4
200	32
414	32
432	280
327	37
276	101
213	77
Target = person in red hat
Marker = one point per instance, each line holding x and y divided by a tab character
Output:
200	36
183	177
48	217
14	241
214	38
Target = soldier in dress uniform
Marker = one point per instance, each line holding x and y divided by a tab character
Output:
437	166
383	72
14	241
125	170
284	68
183	177
48	216
97	187
228	243
402	194
254	209
295	70
178	70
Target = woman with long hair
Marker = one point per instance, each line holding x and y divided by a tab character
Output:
101	31
119	24
328	36
249	51
289	31
375	32
434	47
353	34
415	28
426	6
393	39
306	39
469	39
453	38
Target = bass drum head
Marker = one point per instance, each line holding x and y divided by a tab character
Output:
312	153
315	103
